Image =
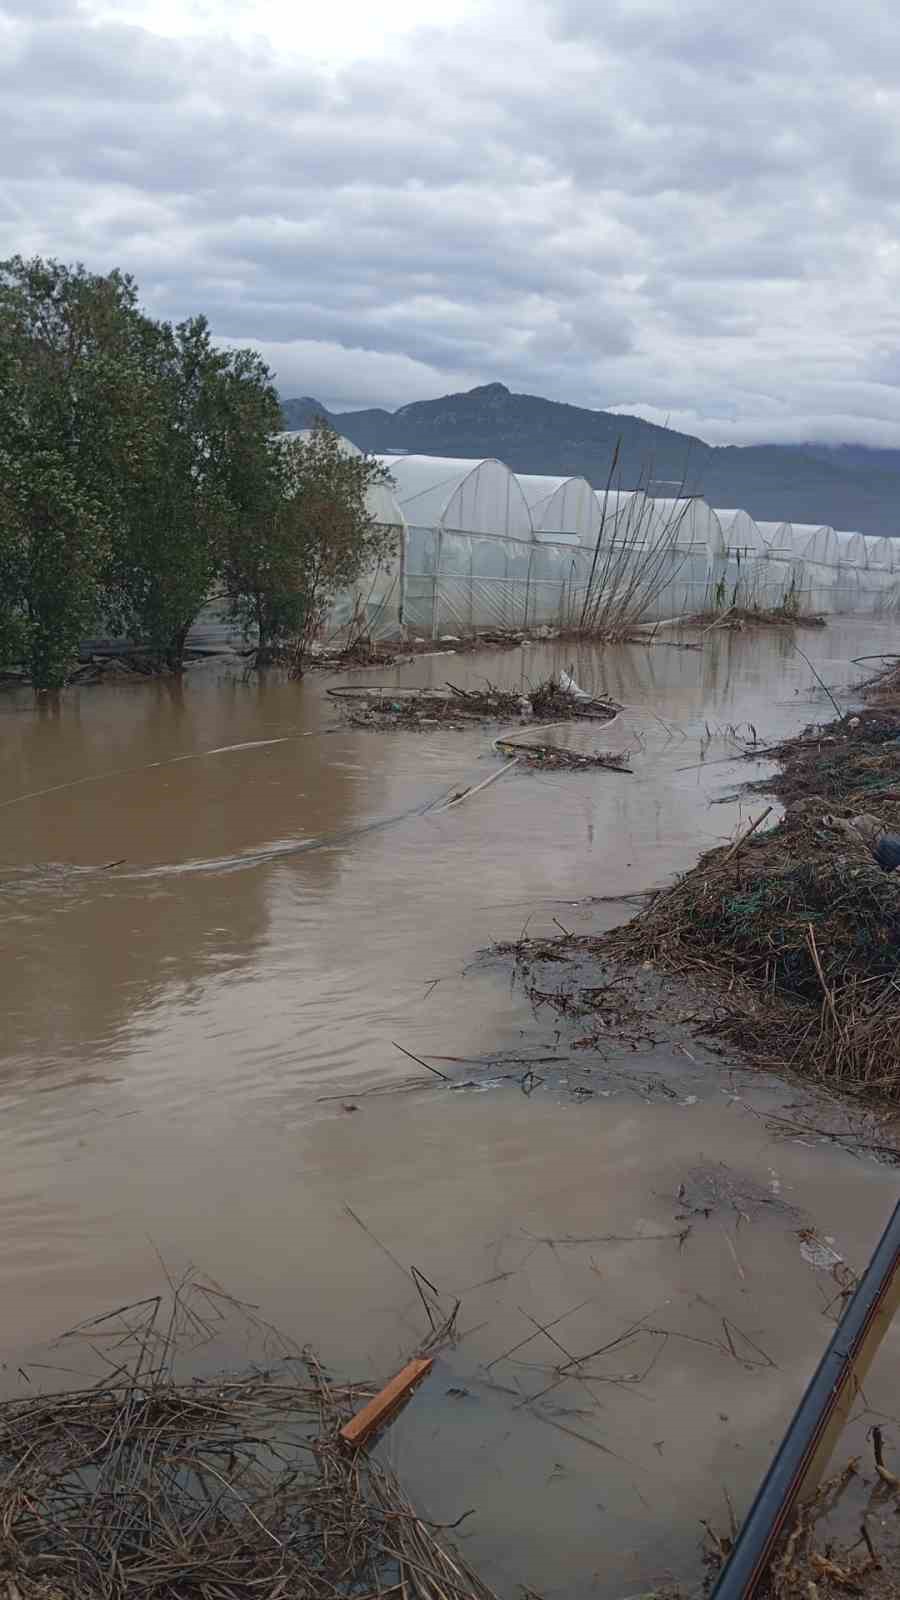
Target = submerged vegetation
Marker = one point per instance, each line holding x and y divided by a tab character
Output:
141	474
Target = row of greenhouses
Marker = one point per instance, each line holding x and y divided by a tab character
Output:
481	547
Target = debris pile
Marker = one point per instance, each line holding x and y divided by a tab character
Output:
556	758
367	652
233	1486
123	667
850	760
884	689
798	931
387	707
811	1563
738	618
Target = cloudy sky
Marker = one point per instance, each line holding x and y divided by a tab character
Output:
688	209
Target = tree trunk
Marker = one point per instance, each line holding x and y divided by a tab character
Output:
174	655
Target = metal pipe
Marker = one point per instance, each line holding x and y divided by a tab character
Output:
797	1469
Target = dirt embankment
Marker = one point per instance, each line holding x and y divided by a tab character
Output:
797	929
791	933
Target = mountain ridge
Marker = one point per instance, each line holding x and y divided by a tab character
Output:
849	486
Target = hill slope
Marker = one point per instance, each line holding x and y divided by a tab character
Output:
847	486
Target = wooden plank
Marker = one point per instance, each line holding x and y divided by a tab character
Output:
361	1427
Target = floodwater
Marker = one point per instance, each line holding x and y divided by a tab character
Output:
187	1033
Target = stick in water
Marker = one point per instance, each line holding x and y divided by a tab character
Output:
745	836
419	1061
820	680
467	793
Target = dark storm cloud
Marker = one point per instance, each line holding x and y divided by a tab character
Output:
664	205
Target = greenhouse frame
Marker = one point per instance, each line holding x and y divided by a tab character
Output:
481	548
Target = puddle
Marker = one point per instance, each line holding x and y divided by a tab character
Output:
181	1047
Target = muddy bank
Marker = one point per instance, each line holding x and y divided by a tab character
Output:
794	927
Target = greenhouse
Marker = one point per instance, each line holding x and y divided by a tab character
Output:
778	538
880	553
740	534
482	548
562	508
851	591
470	558
873	579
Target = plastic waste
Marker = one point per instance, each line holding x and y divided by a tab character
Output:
569	686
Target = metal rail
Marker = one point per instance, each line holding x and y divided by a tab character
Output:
803	1455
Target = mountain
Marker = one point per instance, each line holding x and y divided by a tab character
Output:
847	486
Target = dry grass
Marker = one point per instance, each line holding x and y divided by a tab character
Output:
556	758
797	932
738	618
850	761
389	707
233	1487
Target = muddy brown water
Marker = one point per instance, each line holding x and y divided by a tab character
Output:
183	1032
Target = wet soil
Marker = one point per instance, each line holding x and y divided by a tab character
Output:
201	1063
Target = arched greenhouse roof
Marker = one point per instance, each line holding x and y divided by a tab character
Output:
739	531
880	552
566	506
633	517
778	537
624	513
817	543
465	496
381	502
684	524
853	548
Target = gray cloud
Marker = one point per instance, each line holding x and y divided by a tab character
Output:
657	205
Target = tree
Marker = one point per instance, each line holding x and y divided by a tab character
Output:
54	539
314	536
69	367
201	478
132	453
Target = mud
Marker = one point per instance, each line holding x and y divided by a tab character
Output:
186	1031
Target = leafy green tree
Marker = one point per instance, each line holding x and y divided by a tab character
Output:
314	537
197	482
69	363
55	539
131	455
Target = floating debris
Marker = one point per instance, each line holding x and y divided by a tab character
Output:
242	1486
388	707
555	757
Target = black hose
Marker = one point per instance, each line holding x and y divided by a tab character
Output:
778	1493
